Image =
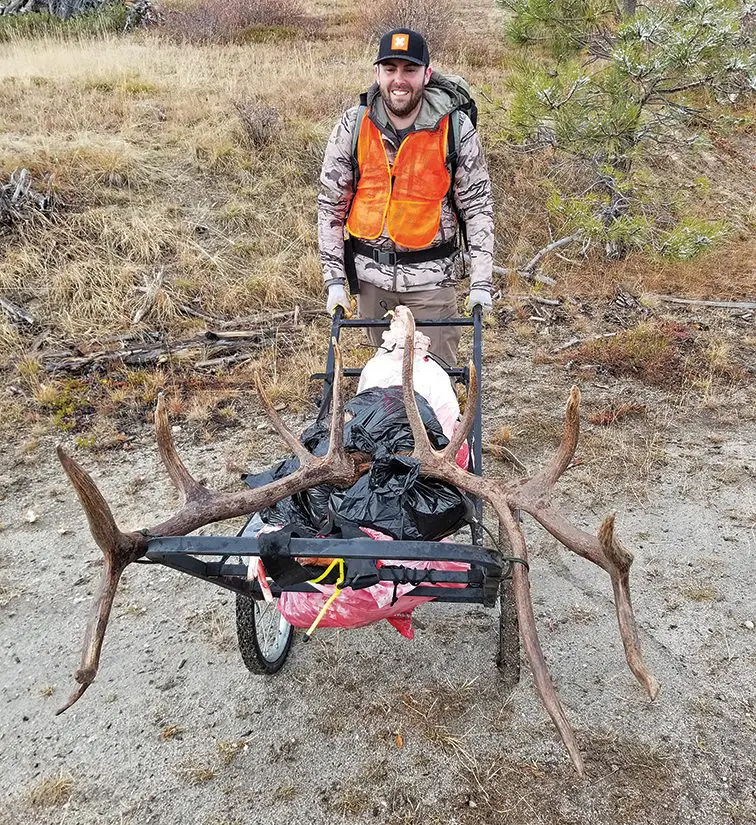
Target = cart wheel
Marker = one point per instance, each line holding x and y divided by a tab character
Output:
508	655
264	635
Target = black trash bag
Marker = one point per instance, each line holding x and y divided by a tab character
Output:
308	509
394	499
378	427
377	423
288	510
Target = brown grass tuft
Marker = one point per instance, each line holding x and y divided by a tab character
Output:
228	750
261	123
664	353
214	624
650	351
51	792
614	412
503	435
196	774
171	732
697	591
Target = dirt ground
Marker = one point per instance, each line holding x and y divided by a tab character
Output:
363	726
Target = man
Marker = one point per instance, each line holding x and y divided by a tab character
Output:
401	221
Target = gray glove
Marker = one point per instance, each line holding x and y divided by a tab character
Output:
481	298
337	297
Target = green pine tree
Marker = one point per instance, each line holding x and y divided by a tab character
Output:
599	84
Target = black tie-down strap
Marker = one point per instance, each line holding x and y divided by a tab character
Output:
276	558
275	552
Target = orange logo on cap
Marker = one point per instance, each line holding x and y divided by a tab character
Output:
400	42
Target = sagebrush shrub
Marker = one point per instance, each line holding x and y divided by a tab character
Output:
109	17
434	19
261	123
225	21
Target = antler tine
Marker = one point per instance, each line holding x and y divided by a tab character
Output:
603	550
336	440
189	487
541	678
620	560
566	450
99	515
201	507
119	550
96	626
291	441
420	436
441	465
463	428
570	434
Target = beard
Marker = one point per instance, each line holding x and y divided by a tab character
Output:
403	107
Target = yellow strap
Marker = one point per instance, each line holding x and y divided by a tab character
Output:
334	595
328	569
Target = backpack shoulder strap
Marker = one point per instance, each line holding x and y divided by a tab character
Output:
452	158
452	143
361	112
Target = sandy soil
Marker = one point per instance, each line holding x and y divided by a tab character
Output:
175	729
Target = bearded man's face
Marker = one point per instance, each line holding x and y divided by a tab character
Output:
401	84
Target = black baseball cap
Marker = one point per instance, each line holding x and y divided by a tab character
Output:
404	44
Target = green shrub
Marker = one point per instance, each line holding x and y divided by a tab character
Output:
109	18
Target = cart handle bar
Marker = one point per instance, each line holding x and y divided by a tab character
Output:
328	547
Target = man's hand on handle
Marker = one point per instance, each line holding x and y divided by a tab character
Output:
337	297
481	298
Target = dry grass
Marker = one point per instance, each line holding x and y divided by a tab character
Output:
635	778
214	624
502	436
51	792
197	774
615	461
727	272
649	351
238	21
615	412
171	732
228	750
697	591
664	353
204	164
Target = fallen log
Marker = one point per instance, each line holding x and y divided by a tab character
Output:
673	299
19	200
212	346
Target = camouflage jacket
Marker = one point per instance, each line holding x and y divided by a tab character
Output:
471	192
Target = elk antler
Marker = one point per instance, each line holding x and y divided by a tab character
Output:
201	506
533	496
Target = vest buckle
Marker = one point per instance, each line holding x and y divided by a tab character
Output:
384	258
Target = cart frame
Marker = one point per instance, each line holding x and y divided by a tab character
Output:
221	560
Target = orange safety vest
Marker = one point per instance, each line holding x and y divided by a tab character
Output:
407	197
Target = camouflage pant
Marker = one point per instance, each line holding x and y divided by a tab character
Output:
431	304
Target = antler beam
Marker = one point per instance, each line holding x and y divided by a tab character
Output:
533	496
201	506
